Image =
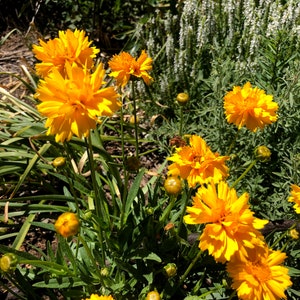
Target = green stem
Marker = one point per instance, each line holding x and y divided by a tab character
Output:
244	173
232	143
96	195
181	121
135	121
189	268
167	211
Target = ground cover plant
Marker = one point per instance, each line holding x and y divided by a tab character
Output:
210	87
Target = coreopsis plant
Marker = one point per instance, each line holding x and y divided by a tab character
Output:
261	276
69	47
295	197
250	106
123	66
74	103
230	224
197	163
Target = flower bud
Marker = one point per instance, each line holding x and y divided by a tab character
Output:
262	153
132	120
59	162
294	234
182	98
153	295
132	163
67	224
173	185
8	262
170	270
104	272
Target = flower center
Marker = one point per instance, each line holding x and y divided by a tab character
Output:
260	271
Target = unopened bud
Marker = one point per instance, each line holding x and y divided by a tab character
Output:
262	153
182	98
67	224
8	262
59	162
170	270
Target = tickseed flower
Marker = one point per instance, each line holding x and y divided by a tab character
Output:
230	224
96	297
295	197
250	107
261	276
68	47
74	103
197	163
123	66
67	224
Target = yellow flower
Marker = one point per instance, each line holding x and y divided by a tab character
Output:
197	163
124	65
96	297
68	47
261	276
231	226
250	107
295	197
74	103
67	224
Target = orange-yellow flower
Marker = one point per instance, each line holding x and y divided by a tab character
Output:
73	103
123	66
97	297
68	47
250	107
295	197
197	163
261	276
67	224
231	226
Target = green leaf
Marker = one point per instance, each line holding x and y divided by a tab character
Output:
60	283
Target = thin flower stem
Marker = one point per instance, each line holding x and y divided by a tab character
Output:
181	121
244	173
232	143
135	121
189	268
96	193
167	211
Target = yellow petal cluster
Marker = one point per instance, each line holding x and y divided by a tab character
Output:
260	276
197	163
295	197
230	225
250	107
123	66
72	104
68	47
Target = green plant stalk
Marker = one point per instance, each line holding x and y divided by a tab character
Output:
135	121
97	194
232	143
167	211
189	268
181	121
244	173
